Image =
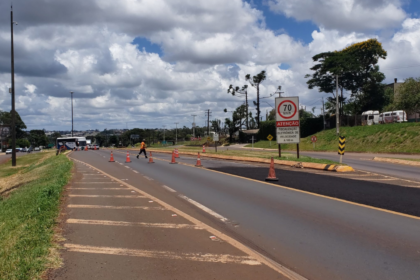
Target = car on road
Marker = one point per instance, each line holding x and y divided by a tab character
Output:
23	150
93	146
8	151
37	149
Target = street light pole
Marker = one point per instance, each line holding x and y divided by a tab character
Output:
337	108
13	122
71	113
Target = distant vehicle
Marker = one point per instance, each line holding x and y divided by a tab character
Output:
70	142
18	150
24	150
37	149
8	151
393	116
370	117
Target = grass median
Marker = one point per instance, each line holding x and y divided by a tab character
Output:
29	207
256	154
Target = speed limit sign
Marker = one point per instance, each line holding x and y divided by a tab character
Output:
287	120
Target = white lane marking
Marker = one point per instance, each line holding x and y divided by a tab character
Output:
119	196
127	224
126	166
199	257
204	208
377	179
148	178
114	207
168	188
135	171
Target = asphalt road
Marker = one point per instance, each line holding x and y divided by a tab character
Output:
315	236
363	161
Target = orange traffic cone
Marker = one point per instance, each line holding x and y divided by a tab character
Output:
204	148
176	153
151	158
112	158
86	148
272	172
94	147
198	164
173	159
127	159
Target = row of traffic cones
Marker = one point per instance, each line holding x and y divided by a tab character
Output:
175	154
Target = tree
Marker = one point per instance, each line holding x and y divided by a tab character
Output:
244	91
408	98
37	138
357	69
6	119
237	121
272	115
255	82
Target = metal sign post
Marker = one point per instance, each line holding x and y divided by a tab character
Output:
287	121
314	139
252	142
215	139
341	147
270	137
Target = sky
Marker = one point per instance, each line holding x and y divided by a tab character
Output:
154	63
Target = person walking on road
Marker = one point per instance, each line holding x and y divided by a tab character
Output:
142	149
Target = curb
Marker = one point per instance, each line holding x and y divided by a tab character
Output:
399	161
318	166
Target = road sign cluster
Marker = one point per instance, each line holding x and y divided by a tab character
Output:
341	145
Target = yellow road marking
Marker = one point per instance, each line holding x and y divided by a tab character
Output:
119	223
113	207
199	257
260	258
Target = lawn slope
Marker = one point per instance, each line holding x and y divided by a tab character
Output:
386	138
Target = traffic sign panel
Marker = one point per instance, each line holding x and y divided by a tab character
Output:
287	120
215	137
270	137
314	139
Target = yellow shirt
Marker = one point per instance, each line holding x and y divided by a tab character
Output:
142	145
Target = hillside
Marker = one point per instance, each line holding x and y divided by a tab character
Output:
386	138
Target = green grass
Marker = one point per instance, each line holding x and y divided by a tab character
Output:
255	153
28	216
21	163
386	138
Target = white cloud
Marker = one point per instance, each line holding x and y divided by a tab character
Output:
345	15
208	45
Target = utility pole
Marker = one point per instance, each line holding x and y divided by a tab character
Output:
208	113
193	125
337	109
176	133
323	111
13	122
71	113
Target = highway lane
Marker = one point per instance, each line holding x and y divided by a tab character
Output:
317	237
362	161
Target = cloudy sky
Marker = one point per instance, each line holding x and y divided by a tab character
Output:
148	63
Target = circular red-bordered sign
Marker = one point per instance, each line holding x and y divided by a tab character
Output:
314	139
284	117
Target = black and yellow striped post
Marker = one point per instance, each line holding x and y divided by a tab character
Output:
341	147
